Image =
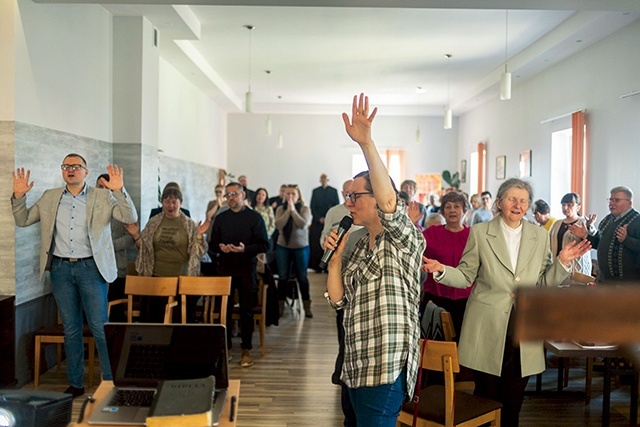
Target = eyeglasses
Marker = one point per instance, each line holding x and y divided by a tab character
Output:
616	200
230	195
354	196
72	167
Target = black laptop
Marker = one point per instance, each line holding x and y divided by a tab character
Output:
143	354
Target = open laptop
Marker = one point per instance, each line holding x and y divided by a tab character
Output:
143	354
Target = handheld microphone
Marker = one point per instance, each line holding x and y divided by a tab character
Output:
344	226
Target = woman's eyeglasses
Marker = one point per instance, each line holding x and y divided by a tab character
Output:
354	196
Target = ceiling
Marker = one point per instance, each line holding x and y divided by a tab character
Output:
321	52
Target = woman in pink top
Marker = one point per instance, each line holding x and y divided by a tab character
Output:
446	243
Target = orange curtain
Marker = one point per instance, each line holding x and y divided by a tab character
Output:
579	157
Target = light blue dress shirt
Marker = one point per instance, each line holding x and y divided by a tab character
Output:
71	235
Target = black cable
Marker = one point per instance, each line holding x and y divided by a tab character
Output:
84	406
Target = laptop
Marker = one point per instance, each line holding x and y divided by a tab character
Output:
144	354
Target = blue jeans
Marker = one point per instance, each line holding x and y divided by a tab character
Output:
77	286
379	406
300	259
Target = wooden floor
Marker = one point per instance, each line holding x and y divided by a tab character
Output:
291	385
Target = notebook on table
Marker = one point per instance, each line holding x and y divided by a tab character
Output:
143	354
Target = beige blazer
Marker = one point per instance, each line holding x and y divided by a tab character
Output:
486	261
102	205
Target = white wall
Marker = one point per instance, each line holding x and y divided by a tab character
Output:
315	144
593	79
191	126
63	68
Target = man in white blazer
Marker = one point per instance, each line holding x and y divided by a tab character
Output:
76	246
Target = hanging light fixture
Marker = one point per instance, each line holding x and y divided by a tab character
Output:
448	115
267	123
505	79
248	96
280	143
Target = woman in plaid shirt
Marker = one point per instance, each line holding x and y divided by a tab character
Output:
379	287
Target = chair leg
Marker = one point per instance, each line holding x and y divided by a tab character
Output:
59	357
262	341
36	364
92	359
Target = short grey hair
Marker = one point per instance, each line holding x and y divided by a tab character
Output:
623	189
513	183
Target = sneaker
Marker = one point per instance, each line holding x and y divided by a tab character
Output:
246	360
74	391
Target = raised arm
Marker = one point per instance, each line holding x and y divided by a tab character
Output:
359	129
21	184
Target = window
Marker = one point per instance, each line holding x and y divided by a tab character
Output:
392	159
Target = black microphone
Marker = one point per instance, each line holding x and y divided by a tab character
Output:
344	226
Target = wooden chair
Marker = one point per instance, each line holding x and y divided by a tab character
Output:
55	335
211	288
464	380
148	286
259	313
442	405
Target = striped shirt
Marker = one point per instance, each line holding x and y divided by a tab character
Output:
381	302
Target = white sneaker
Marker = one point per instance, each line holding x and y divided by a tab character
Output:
246	360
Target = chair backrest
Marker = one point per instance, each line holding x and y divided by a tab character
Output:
154	287
447	326
434	353
442	356
210	286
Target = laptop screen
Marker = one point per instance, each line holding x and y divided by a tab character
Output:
142	354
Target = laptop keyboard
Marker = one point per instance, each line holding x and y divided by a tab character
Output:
132	398
146	361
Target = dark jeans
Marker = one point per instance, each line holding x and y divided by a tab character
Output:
248	298
379	406
300	259
79	286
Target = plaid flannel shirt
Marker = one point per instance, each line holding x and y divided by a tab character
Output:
381	302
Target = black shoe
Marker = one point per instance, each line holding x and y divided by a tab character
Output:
74	391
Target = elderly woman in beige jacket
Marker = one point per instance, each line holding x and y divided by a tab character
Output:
502	255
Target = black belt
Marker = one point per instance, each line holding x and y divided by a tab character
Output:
72	259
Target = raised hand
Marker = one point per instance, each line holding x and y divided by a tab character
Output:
21	185
579	229
591	219
431	265
116	178
203	226
621	233
359	127
413	210
574	250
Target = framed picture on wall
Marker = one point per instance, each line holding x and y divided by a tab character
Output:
463	170
501	170
525	163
